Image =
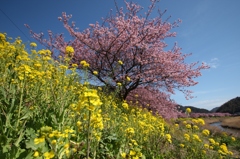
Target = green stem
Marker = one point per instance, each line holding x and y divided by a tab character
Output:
20	105
88	134
20	135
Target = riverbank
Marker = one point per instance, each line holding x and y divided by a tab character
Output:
218	125
231	122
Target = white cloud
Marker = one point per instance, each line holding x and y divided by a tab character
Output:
213	63
214	59
209	91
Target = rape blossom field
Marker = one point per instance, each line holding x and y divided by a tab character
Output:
47	113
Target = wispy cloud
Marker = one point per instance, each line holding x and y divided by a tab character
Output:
209	91
213	63
209	104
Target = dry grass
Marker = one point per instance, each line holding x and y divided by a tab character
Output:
232	122
213	120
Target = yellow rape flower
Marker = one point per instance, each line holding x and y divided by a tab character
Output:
195	121
54	142
223	149
18	41
95	72
188	126
206	132
33	44
195	127
230	153
69	131
132	153
49	155
119	84
51	135
123	154
128	78
66	146
79	123
120	62
69	50
187	137
36	154
2	37
134	142
39	140
37	65
212	141
206	146
130	131
182	145
196	137
184	122
201	121
74	65
74	150
125	105
188	110
84	63
168	137
204	151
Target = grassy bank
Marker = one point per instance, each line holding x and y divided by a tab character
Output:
231	122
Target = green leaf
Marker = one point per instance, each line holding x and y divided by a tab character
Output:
53	116
3	139
15	152
9	118
6	148
30	145
30	132
22	133
143	157
26	115
4	95
26	155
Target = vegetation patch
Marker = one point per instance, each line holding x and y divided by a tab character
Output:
47	113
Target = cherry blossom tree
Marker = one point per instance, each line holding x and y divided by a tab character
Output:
128	49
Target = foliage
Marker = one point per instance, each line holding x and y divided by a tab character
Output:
35	91
129	48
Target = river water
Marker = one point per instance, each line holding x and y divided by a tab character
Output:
229	130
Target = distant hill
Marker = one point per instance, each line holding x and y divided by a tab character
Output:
232	106
194	109
214	110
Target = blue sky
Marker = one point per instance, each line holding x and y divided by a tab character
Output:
210	29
